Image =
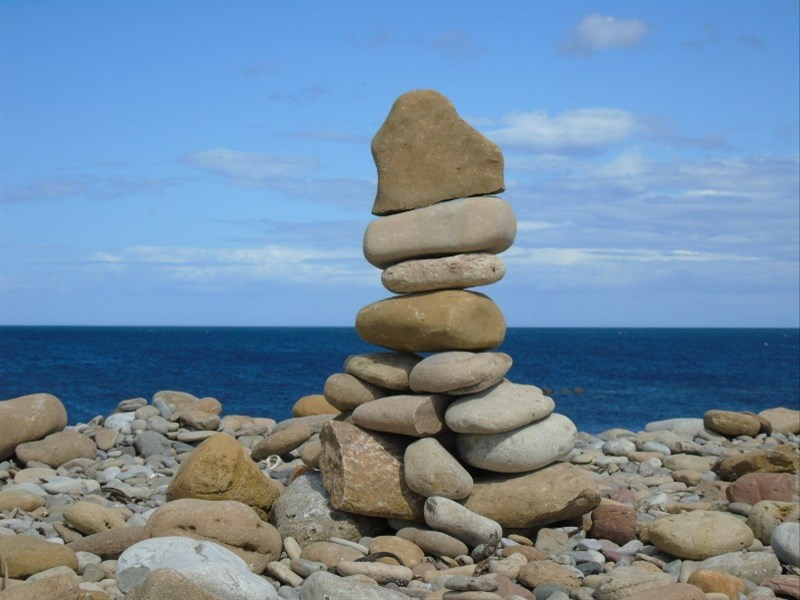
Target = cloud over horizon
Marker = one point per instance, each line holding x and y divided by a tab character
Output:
597	33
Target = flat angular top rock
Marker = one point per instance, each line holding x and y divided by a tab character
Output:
426	153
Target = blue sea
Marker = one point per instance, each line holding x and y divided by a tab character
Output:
600	378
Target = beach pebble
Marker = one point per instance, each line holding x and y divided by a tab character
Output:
149	443
330	553
321	584
25	555
438	543
430	470
388	370
730	423
783	420
785	542
778	459
90	517
22	499
61	587
501	408
463	524
699	534
71	486
445	273
752	488
313	404
406	552
459	372
717	582
281	442
121	422
627	581
752	566
766	515
415	415
345	392
169	583
57	448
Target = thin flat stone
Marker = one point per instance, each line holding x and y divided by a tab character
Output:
407	414
459	373
445	273
388	370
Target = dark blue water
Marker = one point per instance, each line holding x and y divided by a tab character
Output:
600	378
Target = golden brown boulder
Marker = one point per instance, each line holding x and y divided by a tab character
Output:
314	404
730	423
780	459
29	418
220	469
57	587
426	153
25	555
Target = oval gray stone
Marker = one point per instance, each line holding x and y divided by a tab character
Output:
503	407
785	542
406	414
520	450
389	370
485	224
445	273
459	372
430	470
454	519
322	584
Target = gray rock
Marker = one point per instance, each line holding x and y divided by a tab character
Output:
785	542
71	486
501	408
322	584
430	470
150	443
122	421
686	428
131	404
459	373
387	370
454	519
445	273
755	566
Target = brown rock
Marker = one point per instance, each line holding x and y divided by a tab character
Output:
329	553
363	473
220	469
388	370
57	587
233	525
754	487
407	553
89	517
783	420
315	404
405	414
108	545
528	552
546	571
555	493
25	555
281	442
731	423
614	522
426	153
785	586
433	322
766	515
168	584
717	582
57	448
445	273
105	438
781	459
430	470
29	418
700	534
345	392
671	591
27	501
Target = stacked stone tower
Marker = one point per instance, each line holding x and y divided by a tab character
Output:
418	425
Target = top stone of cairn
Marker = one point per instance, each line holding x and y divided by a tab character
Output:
425	153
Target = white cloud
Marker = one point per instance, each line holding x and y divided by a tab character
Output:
596	33
581	130
249	169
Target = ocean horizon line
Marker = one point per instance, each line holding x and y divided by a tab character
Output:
351	327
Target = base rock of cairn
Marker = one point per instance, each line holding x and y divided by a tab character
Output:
418	429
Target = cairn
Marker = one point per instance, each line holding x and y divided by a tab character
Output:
417	427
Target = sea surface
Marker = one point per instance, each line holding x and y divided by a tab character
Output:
599	378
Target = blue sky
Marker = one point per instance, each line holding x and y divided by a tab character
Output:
208	163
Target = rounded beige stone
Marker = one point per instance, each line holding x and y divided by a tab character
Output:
25	555
699	534
29	418
504	407
281	442
730	423
460	226
329	553
388	370
405	414
407	553
433	322
459	373
313	404
430	470
89	517
445	273
24	500
345	392
57	448
782	419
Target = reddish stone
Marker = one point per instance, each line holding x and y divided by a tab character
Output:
614	522
755	487
785	586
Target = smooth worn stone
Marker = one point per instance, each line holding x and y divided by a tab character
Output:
304	567
315	422
231	524
430	470
304	512
415	415
520	450
614	522
508	566
555	493
27	419
122	422
71	486
177	401
687	428
329	553
459	373
283	573
327	585
699	534
131	404
313	404
149	443
57	448
311	452
538	572
671	591
404	552
89	517
380	572
688	462
363	472
443	514
281	442
345	392
785	542
426	153
439	543
109	544
21	499
675	443
753	566
501	408
433	322
25	555
625	582
783	420
780	459
445	273
755	487
716	582
730	423
55	587
207	564
766	515
169	584
456	227
785	586
220	469
106	438
195	418
389	370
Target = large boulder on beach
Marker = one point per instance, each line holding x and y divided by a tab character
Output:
363	472
486	225
780	459
57	448
25	555
63	586
731	424
699	534
29	418
220	469
782	419
426	153
556	493
433	322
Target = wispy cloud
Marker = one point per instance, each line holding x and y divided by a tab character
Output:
331	136
88	186
753	41
250	169
708	37
597	33
261	67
